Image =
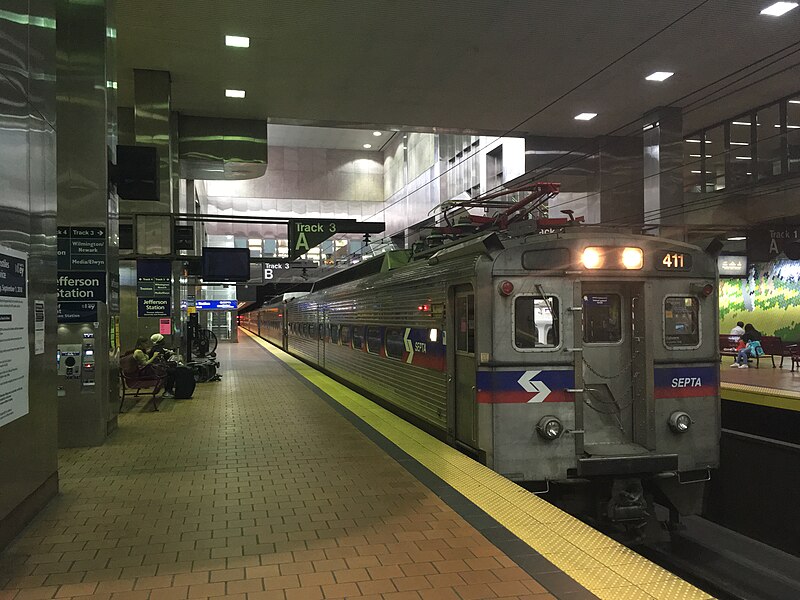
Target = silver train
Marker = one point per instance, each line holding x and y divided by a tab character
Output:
583	363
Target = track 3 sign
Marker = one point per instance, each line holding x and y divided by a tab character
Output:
305	234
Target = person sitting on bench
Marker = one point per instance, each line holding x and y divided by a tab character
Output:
752	340
158	351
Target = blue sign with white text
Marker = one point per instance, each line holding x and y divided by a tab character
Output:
216	304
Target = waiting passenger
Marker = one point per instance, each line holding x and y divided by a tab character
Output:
739	329
161	353
752	340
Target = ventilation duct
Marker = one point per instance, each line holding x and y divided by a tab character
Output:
215	148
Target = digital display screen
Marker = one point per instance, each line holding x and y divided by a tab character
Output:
226	264
674	261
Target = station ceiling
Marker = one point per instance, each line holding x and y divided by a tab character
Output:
476	65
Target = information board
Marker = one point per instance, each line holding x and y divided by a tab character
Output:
82	248
78	295
154	307
14	346
216	304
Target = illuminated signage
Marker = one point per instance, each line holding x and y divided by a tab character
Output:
732	266
216	304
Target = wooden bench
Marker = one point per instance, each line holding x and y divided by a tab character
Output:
772	345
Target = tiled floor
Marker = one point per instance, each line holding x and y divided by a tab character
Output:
255	489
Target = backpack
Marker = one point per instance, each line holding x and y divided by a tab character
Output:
755	348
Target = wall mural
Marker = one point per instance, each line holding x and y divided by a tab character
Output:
769	299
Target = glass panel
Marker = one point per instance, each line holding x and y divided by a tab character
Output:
471	324
681	322
770	144
602	319
793	133
322	332
374	340
334	334
692	164
461	323
345	335
741	155
536	322
358	337
715	165
394	343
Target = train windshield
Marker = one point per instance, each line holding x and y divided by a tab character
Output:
681	322
536	322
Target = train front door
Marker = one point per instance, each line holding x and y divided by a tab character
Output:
613	364
463	343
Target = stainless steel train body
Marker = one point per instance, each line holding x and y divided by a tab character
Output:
545	356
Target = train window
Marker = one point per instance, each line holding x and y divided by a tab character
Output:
395	346
322	332
334	334
374	340
602	319
681	322
465	324
536	322
358	337
344	335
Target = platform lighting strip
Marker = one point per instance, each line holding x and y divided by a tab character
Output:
603	566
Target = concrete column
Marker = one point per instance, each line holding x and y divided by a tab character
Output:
86	80
663	175
619	176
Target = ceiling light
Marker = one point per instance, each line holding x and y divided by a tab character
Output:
739	144
367	146
659	76
377	133
234	93
585	116
405	147
779	8
794	101
738	238
237	41
743	158
741	123
695	141
791	126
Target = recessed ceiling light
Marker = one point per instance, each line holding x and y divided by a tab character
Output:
377	133
743	158
367	146
585	116
779	8
235	93
794	101
694	141
659	76
792	126
739	144
738	238
237	41
405	147
741	123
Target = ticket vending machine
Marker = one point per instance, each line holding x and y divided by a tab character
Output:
88	396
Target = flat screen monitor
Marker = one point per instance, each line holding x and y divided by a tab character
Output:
226	264
137	176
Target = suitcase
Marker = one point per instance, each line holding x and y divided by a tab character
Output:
184	383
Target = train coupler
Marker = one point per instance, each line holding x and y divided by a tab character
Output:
628	503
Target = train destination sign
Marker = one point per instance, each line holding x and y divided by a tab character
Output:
305	234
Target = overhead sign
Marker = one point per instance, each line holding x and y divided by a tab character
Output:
184	237
764	245
14	350
78	295
216	304
305	234
77	312
153	278
154	307
732	266
81	248
285	270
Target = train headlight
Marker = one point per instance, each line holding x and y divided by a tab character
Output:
680	422
632	258
592	258
550	428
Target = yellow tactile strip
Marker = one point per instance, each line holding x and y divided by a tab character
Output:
764	396
601	565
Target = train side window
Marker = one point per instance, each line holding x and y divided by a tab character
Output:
465	323
374	340
344	335
602	318
334	334
322	328
395	346
681	322
536	322
358	337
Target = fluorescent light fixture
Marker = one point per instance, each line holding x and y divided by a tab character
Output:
791	126
237	41
697	172
585	116
743	158
739	144
694	141
405	147
367	146
377	133
700	156
659	76
738	238
235	93
741	123
794	101
779	8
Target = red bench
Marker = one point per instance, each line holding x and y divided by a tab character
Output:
133	378
772	345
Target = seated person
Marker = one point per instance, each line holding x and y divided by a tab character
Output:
752	340
739	329
158	351
136	364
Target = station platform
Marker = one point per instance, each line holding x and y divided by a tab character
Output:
280	483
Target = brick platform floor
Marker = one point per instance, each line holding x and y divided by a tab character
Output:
255	489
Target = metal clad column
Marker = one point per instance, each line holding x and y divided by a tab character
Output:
663	175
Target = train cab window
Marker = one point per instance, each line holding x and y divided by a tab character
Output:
681	322
344	335
602	319
334	334
536	322
395	346
374	340
358	337
465	324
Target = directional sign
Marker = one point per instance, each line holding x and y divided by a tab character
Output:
81	248
305	234
765	244
538	388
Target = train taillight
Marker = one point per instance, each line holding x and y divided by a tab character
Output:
506	288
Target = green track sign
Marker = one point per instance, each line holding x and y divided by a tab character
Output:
305	234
